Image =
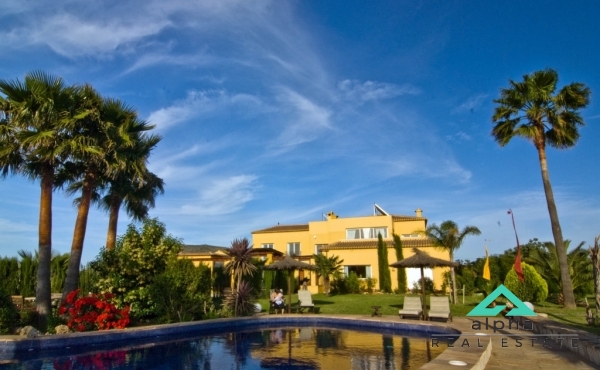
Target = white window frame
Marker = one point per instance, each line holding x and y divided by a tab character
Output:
267	245
366	232
295	246
317	252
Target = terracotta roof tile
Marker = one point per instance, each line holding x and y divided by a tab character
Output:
372	244
407	218
202	249
282	228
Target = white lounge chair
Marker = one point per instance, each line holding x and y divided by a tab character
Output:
305	301
440	308
412	307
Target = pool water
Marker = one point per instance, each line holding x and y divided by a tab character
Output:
276	348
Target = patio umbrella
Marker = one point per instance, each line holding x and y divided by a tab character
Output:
289	264
421	259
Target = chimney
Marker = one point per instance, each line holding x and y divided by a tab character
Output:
419	212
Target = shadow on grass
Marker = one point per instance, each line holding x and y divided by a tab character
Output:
322	302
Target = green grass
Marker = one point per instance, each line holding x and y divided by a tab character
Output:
360	304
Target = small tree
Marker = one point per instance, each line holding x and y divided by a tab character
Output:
385	280
401	272
533	289
326	267
240	265
128	270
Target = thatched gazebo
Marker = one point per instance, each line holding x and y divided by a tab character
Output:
421	259
290	264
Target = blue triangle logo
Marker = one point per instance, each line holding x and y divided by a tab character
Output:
520	308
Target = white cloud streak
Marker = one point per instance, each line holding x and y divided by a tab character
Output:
470	104
371	90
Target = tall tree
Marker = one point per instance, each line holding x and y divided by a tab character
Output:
135	187
32	143
240	265
532	109
401	272
385	279
99	149
449	237
326	267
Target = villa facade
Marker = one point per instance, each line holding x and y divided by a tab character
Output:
353	240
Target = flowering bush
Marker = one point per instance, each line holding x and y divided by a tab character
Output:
94	312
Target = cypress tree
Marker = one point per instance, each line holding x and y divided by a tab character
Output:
385	280
401	272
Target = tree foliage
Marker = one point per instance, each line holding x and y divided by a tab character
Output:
533	289
449	237
400	272
128	270
385	279
182	292
327	267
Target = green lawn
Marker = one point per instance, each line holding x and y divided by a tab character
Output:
360	304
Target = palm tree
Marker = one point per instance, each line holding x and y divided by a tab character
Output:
240	264
449	238
98	150
327	266
546	263
595	256
531	109
32	144
134	187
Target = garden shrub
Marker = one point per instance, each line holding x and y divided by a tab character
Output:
353	283
9	314
182	292
94	312
533	289
428	286
367	285
128	270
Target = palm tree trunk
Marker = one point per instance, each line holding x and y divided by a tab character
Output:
454	295
72	281
42	294
567	287
113	218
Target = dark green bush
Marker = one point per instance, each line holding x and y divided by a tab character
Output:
182	292
9	315
353	283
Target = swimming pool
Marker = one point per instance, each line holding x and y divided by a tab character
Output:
292	342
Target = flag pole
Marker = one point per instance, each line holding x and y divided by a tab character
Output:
518	267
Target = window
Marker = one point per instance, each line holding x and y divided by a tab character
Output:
366	233
362	271
218	264
293	249
318	247
267	245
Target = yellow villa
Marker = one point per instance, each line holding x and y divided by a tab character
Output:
353	240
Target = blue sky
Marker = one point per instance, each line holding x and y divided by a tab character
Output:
280	111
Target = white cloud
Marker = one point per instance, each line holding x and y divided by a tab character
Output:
371	90
197	104
222	196
8	226
459	136
471	103
305	120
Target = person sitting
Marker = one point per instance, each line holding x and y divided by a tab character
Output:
279	302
